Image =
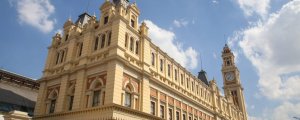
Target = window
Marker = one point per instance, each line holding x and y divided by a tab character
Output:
152	108
71	99
57	58
80	45
52	106
169	70
102	41
175	74
181	77
126	40
192	86
162	111
62	56
170	114
197	89
153	59
67	37
106	20
132	23
177	115
96	43
109	39
137	47
187	82
96	98
161	65
190	118
183	117
127	99
131	44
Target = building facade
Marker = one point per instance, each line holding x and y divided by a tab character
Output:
108	68
18	95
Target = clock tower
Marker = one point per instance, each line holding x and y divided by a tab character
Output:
231	79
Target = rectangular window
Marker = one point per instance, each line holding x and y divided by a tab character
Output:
96	43
177	115
132	23
57	58
152	108
153	59
96	98
80	49
176	74
126	40
102	41
162	111
169	70
109	39
127	99
106	20
181	77
67	37
170	114
71	102
137	47
187	82
161	65
183	117
192	86
52	106
131	44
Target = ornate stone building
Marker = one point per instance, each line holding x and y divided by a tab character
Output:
108	68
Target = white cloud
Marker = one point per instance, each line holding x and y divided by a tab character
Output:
36	13
166	41
273	48
251	7
180	23
286	111
215	1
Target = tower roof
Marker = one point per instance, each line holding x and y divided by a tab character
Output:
83	19
226	49
203	77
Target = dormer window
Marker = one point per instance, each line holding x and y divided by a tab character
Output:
132	23
106	20
67	37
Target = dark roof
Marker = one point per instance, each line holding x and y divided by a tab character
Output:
18	79
83	19
10	97
202	76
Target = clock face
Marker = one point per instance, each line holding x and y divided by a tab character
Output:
229	76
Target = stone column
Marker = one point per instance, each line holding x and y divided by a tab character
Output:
40	102
79	90
114	83
145	95
61	100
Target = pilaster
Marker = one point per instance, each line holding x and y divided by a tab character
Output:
40	102
114	83
62	94
145	95
79	90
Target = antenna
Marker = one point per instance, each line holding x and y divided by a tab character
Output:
225	41
201	62
87	7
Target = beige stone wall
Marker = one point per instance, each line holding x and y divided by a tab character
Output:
122	67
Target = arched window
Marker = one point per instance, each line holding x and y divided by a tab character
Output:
52	98
153	59
161	65
96	43
102	40
131	44
137	47
109	39
126	40
70	97
96	93
132	21
128	96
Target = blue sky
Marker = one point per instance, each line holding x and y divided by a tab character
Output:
264	35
